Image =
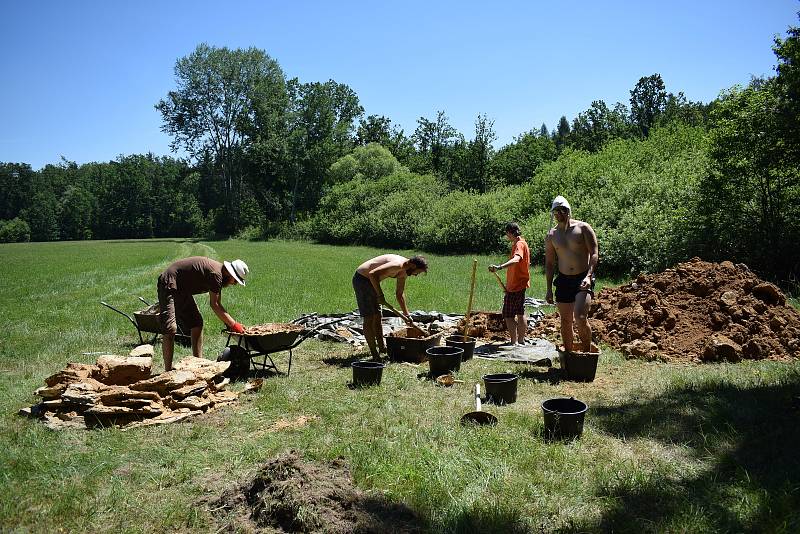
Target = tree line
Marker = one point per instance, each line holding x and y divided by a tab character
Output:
270	154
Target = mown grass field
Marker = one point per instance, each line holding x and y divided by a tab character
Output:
666	447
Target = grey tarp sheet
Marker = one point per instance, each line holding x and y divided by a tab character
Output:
350	330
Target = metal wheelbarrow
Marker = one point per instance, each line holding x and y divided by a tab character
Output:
249	346
147	320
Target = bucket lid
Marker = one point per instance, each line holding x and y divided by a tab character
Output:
368	364
500	377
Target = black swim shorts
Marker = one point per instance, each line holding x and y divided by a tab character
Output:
366	297
569	285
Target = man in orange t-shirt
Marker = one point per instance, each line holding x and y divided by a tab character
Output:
518	280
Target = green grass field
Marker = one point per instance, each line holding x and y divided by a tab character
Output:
666	447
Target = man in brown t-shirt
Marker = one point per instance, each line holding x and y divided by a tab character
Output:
176	287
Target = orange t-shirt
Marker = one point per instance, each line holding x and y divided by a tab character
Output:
518	277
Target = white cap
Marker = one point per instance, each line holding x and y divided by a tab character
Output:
560	202
238	270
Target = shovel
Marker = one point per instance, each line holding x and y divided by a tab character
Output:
408	320
500	281
478	417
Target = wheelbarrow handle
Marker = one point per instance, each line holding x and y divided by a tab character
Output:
500	281
109	306
146	303
408	320
314	330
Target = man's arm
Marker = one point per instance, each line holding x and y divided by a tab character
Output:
516	259
215	300
590	239
549	266
400	294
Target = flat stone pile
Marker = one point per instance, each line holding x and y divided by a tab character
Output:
123	392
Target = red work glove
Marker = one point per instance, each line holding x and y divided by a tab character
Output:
238	328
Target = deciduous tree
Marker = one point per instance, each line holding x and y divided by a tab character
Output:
211	110
648	101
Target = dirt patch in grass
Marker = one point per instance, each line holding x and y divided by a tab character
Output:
289	494
698	311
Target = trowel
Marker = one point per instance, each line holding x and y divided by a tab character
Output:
478	417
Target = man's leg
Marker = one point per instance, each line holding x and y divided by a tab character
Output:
197	341
377	327
169	325
167	346
511	324
565	311
522	328
371	335
582	302
510	317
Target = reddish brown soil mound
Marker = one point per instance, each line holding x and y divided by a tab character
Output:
696	311
292	495
489	326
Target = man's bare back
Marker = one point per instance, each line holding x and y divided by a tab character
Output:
384	266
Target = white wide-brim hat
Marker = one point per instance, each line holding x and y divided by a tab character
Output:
238	270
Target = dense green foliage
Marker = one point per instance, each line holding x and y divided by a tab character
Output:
660	178
753	189
14	231
641	197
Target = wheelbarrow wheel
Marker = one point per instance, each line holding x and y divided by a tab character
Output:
240	362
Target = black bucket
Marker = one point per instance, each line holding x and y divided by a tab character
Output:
463	342
444	360
563	418
580	366
240	362
367	373
501	388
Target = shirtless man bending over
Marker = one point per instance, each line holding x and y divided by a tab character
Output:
369	295
573	245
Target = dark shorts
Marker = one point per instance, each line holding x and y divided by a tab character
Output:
177	307
366	297
514	304
569	285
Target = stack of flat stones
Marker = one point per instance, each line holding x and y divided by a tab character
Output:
122	391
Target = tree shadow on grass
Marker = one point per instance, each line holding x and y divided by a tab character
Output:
551	375
749	438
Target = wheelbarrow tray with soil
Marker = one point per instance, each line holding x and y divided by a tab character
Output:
269	337
266	339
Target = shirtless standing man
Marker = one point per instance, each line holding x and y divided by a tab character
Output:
573	245
367	286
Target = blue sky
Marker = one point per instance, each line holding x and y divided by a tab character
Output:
80	79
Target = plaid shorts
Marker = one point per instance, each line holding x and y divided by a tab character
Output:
514	304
